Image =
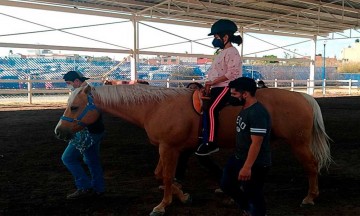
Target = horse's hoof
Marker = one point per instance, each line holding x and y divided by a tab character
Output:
306	203
156	213
188	200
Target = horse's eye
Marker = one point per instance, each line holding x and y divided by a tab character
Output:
73	108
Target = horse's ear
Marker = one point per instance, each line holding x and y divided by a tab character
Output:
87	89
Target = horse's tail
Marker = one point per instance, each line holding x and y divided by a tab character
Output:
320	145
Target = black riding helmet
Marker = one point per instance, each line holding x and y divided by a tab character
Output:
222	26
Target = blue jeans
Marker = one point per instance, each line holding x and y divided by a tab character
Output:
248	195
91	157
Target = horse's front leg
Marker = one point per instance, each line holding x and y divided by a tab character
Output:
159	170
167	164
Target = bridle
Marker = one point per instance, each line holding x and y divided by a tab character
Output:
89	107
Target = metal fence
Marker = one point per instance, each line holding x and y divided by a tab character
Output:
60	95
35	80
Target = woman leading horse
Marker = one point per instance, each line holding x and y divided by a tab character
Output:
172	124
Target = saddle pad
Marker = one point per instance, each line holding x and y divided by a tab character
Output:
197	102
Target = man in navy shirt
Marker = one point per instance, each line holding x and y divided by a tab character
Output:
245	172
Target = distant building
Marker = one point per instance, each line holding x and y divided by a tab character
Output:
188	60
329	62
170	60
17	55
149	61
175	60
204	60
41	52
154	61
59	56
45	55
351	53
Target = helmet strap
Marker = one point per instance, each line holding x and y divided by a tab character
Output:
222	36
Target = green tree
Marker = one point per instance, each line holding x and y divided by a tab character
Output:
271	57
186	73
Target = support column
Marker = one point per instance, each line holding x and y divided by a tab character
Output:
29	89
242	47
310	89
135	52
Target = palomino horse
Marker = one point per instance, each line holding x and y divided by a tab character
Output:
171	123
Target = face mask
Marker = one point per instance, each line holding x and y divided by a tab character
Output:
237	101
217	43
70	87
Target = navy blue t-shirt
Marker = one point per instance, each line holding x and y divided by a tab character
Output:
97	127
254	120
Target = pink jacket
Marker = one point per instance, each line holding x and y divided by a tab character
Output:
228	62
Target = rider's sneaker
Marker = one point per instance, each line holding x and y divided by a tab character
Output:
80	194
219	191
207	149
245	213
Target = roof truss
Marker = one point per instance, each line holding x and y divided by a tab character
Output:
301	18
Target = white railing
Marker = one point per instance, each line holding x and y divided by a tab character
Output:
326	86
321	87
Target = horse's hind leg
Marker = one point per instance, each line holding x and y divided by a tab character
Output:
303	153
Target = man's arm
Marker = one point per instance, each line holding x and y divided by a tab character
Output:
245	172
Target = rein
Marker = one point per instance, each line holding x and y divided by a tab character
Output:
89	107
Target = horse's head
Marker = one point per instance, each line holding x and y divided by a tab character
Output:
80	112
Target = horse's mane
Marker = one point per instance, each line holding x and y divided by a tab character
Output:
130	94
73	94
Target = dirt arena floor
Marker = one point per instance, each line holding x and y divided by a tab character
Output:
33	180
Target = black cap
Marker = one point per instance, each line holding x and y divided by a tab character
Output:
223	26
261	82
243	84
72	75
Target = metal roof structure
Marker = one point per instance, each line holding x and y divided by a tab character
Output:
295	18
298	18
